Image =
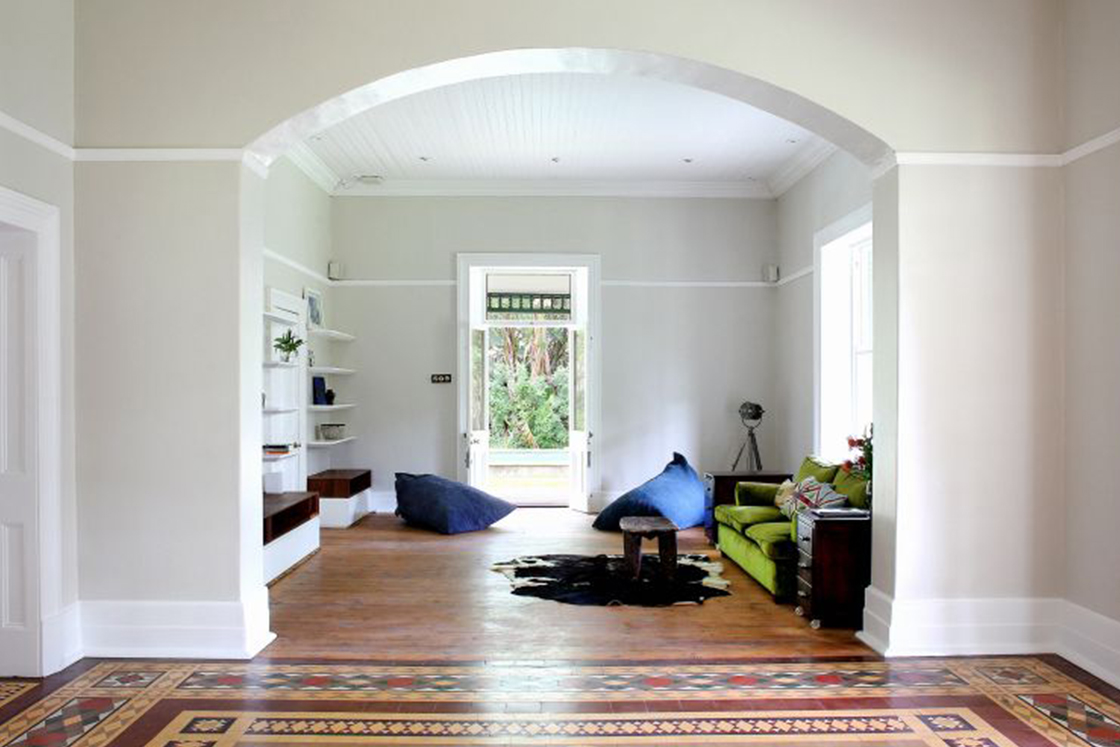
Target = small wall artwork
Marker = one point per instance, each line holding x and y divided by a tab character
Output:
314	307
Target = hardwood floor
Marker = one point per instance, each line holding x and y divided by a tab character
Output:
381	590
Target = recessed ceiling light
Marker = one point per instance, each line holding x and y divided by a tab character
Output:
687	160
556	159
751	179
791	140
425	159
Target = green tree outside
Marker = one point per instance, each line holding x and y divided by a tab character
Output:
528	388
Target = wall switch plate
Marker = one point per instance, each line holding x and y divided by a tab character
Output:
441	378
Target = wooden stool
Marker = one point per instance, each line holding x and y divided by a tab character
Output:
634	528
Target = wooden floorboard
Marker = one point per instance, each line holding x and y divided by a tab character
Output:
381	590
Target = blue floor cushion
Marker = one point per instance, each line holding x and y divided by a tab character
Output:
446	506
677	494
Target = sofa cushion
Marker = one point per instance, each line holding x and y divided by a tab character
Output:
446	506
741	517
755	493
818	469
677	494
813	494
773	539
784	495
852	487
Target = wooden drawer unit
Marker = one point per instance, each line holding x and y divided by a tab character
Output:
833	568
340	483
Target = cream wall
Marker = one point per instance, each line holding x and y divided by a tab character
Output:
1092	352
37	88
176	73
297	226
839	186
677	389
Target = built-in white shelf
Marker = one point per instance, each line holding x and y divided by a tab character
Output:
272	316
326	444
331	334
280	457
331	370
329	408
278	410
279	364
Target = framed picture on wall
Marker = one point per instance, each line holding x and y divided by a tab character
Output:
314	307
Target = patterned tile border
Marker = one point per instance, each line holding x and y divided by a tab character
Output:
12	689
942	701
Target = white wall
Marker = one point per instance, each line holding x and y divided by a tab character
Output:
297	226
839	186
37	88
676	362
1092	349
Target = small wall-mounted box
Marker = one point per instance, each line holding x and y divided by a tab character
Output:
441	378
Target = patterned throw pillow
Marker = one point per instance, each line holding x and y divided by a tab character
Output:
784	494
812	494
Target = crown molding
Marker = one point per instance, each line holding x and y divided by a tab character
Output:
40	138
308	161
803	162
555	188
1098	143
1015	160
158	155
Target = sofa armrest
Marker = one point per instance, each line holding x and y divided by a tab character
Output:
755	493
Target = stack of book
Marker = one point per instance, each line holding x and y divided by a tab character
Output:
278	449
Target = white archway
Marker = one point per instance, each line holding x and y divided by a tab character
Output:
812	116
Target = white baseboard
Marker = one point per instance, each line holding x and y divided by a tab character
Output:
995	626
1091	641
62	638
383	501
166	629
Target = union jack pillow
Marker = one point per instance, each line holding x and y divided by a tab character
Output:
810	493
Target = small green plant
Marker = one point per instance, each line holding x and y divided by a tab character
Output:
287	344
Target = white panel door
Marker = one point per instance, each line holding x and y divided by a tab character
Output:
19	552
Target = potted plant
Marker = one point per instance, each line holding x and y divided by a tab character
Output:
287	345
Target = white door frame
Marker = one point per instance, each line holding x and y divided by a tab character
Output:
58	632
466	262
822	238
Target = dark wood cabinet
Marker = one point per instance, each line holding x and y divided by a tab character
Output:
340	483
719	488
283	512
833	568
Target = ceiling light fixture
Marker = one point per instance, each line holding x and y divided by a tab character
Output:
791	140
425	159
556	159
687	160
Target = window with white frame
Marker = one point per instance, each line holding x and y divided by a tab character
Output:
844	341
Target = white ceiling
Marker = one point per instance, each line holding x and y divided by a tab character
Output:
563	133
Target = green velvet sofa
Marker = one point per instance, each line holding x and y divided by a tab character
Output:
762	541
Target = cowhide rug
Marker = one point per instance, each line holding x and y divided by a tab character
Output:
602	580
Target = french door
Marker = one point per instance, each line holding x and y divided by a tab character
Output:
477	449
579	433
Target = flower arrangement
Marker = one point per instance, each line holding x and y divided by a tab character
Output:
860	465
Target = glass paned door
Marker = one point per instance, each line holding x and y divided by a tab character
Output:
478	433
579	437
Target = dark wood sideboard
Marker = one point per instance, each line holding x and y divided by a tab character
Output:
833	568
719	488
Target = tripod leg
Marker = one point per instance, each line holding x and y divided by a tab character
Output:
755	458
738	456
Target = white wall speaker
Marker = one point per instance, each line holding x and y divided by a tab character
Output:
770	273
336	270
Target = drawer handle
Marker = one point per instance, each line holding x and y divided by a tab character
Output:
804	565
805	538
801	593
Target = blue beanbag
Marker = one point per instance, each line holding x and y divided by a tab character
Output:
677	494
446	506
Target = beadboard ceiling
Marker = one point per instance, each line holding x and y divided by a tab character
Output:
562	133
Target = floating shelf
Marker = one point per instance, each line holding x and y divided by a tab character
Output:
331	370
279	364
331	334
280	457
329	408
327	444
272	316
278	410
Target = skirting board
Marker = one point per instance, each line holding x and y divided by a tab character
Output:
382	501
62	638
189	630
954	627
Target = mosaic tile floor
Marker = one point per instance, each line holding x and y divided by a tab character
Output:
968	702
